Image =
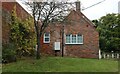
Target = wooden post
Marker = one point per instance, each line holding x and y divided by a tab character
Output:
63	40
112	54
117	55
99	54
108	56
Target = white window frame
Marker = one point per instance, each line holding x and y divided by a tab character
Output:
46	37
71	39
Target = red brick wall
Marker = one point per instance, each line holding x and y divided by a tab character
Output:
77	24
21	12
55	36
90	45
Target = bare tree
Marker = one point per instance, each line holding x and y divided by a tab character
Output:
47	12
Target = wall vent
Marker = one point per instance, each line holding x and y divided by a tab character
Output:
57	46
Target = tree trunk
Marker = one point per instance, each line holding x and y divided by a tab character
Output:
39	35
38	47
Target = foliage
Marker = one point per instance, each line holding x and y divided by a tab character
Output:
8	53
109	28
22	34
62	64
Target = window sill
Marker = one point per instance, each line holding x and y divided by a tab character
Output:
46	42
74	43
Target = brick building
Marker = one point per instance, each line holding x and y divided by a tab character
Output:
7	8
76	38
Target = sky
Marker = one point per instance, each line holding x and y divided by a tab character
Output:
108	6
95	12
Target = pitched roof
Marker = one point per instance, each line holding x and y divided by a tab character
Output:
83	16
88	20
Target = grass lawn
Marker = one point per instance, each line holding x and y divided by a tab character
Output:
61	64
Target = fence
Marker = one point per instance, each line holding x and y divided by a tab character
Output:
110	55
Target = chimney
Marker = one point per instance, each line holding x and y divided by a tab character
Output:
78	8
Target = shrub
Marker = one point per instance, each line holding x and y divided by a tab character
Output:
8	53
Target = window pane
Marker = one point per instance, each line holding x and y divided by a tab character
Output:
67	38
46	39
79	39
73	38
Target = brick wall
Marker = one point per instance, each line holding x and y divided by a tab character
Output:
21	12
90	45
55	36
76	23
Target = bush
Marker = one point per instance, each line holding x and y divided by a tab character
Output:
8	53
25	52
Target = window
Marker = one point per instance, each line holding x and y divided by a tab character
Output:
67	38
46	37
74	39
79	38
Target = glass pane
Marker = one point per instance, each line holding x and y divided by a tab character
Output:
73	38
46	39
79	39
67	38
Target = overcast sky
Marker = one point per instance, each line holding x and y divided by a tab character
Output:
97	11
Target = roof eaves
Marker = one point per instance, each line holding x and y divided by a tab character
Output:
85	18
